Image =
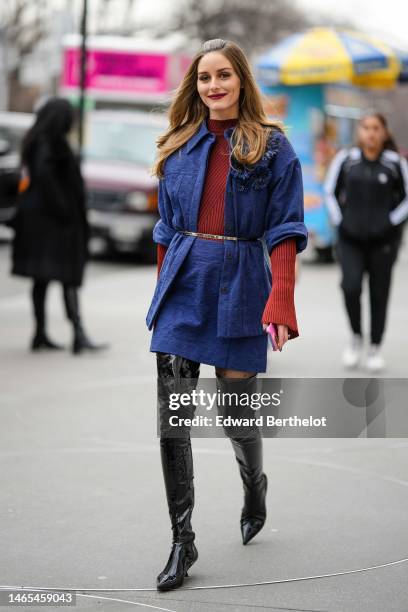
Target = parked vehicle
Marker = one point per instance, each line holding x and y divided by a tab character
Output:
122	196
13	126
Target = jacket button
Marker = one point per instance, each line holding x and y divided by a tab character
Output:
224	289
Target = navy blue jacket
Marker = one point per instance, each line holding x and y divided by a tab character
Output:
263	201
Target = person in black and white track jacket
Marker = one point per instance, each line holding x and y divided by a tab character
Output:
366	194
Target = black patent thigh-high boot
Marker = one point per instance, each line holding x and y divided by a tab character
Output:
247	445
177	375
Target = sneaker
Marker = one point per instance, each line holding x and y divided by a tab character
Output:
352	353
374	360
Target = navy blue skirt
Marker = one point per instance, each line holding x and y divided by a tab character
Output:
186	323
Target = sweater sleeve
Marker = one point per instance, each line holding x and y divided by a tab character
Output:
280	307
161	252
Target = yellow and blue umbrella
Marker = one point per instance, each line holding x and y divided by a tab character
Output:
327	55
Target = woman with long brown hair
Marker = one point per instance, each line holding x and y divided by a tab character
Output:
367	197
230	198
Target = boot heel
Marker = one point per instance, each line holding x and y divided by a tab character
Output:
192	558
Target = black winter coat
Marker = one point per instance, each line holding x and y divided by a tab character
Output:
51	229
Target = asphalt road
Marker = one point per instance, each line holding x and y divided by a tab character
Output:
83	503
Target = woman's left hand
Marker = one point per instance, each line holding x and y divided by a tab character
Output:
283	334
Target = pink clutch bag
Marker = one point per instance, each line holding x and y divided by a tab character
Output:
273	336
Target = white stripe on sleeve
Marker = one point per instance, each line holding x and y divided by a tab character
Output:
400	213
329	186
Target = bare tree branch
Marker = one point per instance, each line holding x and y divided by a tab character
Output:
250	23
25	25
127	24
253	24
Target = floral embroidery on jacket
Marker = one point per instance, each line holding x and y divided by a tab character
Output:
257	175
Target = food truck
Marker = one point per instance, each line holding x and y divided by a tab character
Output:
123	72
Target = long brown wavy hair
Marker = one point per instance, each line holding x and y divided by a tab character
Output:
187	110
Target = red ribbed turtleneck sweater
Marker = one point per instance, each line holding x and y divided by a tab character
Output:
280	307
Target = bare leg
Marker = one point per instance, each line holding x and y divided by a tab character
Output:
226	373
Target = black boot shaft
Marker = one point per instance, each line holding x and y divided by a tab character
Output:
247	445
177	375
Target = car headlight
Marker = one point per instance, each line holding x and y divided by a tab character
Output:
137	200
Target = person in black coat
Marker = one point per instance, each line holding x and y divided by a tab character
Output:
51	228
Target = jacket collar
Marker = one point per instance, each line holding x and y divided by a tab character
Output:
202	132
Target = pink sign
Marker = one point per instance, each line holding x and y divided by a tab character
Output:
118	71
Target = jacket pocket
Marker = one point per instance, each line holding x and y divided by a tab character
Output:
180	187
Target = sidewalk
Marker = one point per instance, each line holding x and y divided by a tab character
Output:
82	489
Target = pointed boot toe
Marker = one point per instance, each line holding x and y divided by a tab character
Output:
250	528
254	512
